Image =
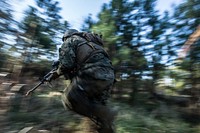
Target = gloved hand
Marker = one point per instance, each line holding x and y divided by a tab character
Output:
55	64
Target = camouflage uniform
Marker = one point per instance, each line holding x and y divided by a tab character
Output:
87	65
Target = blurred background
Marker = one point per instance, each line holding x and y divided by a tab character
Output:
154	46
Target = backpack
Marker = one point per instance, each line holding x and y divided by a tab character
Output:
92	46
90	37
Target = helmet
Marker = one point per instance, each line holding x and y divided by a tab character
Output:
68	33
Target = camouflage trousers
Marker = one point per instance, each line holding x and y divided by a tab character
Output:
89	99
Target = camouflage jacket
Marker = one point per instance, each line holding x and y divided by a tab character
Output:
84	58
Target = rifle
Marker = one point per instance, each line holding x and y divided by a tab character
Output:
47	77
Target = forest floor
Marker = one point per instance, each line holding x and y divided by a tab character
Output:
45	114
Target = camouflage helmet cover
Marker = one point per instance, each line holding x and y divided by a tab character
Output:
68	33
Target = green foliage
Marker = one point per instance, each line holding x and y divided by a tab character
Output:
41	30
188	9
137	120
52	23
3	58
24	117
88	23
186	18
106	27
6	24
124	54
46	112
141	43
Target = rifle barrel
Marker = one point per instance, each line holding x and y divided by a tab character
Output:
45	78
30	91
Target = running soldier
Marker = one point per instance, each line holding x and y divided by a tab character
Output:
83	60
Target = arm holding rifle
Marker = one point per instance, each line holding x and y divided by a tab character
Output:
52	75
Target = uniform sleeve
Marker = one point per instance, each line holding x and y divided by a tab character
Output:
67	55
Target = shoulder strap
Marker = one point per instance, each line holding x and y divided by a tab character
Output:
92	40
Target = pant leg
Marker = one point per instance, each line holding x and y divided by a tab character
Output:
101	114
105	116
87	106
